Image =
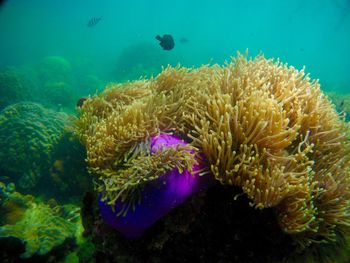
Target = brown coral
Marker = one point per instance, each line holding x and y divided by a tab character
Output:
262	126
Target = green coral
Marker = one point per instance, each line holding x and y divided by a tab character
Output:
28	132
86	250
68	173
342	103
55	78
59	93
12	87
54	69
41	227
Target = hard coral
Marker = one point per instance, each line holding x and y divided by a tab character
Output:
58	93
262	126
68	174
54	69
12	88
55	79
28	132
41	227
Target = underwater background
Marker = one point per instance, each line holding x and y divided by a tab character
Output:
56	54
310	33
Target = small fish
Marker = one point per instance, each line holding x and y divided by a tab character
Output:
166	42
94	21
183	40
342	104
81	101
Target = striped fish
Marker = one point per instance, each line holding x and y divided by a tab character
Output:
93	21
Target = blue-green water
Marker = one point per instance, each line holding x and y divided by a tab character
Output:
50	59
314	33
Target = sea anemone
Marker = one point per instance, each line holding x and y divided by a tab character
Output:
260	125
178	180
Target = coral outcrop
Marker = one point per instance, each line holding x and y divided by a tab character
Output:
28	133
342	103
68	176
54	69
262	126
55	78
40	227
13	87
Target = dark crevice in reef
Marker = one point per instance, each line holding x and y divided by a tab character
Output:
209	227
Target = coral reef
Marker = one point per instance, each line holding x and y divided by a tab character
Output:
263	127
50	82
90	84
28	132
342	103
14	87
55	78
68	175
54	69
59	94
12	204
140	60
209	227
40	227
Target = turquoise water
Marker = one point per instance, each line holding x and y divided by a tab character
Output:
54	54
314	33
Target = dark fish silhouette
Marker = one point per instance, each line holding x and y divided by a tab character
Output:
166	42
81	101
94	21
183	40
